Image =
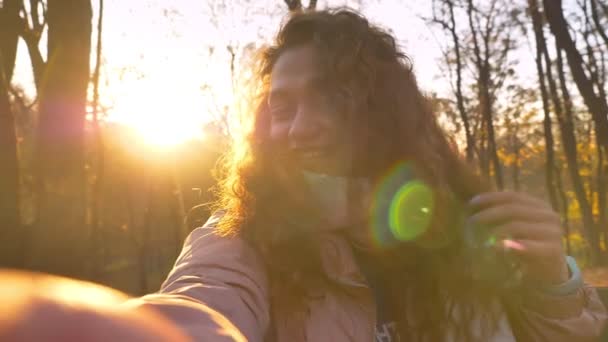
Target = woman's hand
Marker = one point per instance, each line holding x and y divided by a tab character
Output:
527	228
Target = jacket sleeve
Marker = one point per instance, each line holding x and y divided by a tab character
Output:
535	316
217	289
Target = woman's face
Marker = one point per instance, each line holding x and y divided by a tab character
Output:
305	124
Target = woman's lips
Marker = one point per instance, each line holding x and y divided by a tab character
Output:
313	156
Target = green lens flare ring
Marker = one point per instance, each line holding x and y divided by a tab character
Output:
411	210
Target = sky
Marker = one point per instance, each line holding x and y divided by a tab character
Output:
166	66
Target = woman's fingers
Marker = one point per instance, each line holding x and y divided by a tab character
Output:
543	261
528	250
513	212
490	199
521	230
525	228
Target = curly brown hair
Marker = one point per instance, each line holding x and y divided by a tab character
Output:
369	78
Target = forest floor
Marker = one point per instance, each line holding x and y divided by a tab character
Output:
596	276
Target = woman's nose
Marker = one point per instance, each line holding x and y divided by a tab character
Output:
305	125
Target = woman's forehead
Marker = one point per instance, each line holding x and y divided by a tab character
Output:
295	67
295	62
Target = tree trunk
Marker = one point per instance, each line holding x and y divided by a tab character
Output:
602	171
293	5
566	123
296	5
597	76
459	96
11	234
488	119
564	209
98	180
598	107
547	124
596	21
145	245
484	160
565	120
59	242
31	37
516	169
604	7
596	103
482	64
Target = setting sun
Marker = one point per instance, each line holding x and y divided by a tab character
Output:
161	115
163	133
161	125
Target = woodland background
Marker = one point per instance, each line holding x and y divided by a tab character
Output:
520	84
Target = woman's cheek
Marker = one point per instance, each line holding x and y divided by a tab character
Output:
279	131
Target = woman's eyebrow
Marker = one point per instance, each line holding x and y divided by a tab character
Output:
316	81
313	82
277	95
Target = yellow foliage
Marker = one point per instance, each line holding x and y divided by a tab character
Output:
505	157
574	209
578	248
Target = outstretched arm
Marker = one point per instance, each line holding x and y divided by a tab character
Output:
217	288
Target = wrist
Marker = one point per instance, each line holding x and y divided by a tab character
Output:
570	281
548	274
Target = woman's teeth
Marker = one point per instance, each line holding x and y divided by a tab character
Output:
311	154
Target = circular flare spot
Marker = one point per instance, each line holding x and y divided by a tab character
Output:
410	211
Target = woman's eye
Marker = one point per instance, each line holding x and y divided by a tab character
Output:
281	112
324	100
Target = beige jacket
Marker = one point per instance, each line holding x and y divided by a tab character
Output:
220	280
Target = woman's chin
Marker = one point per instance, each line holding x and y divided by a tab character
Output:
325	169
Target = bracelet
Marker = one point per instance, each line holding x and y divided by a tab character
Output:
571	285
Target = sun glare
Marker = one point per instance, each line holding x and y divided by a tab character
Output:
164	133
163	127
161	119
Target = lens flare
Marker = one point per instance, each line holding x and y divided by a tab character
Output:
402	207
410	210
